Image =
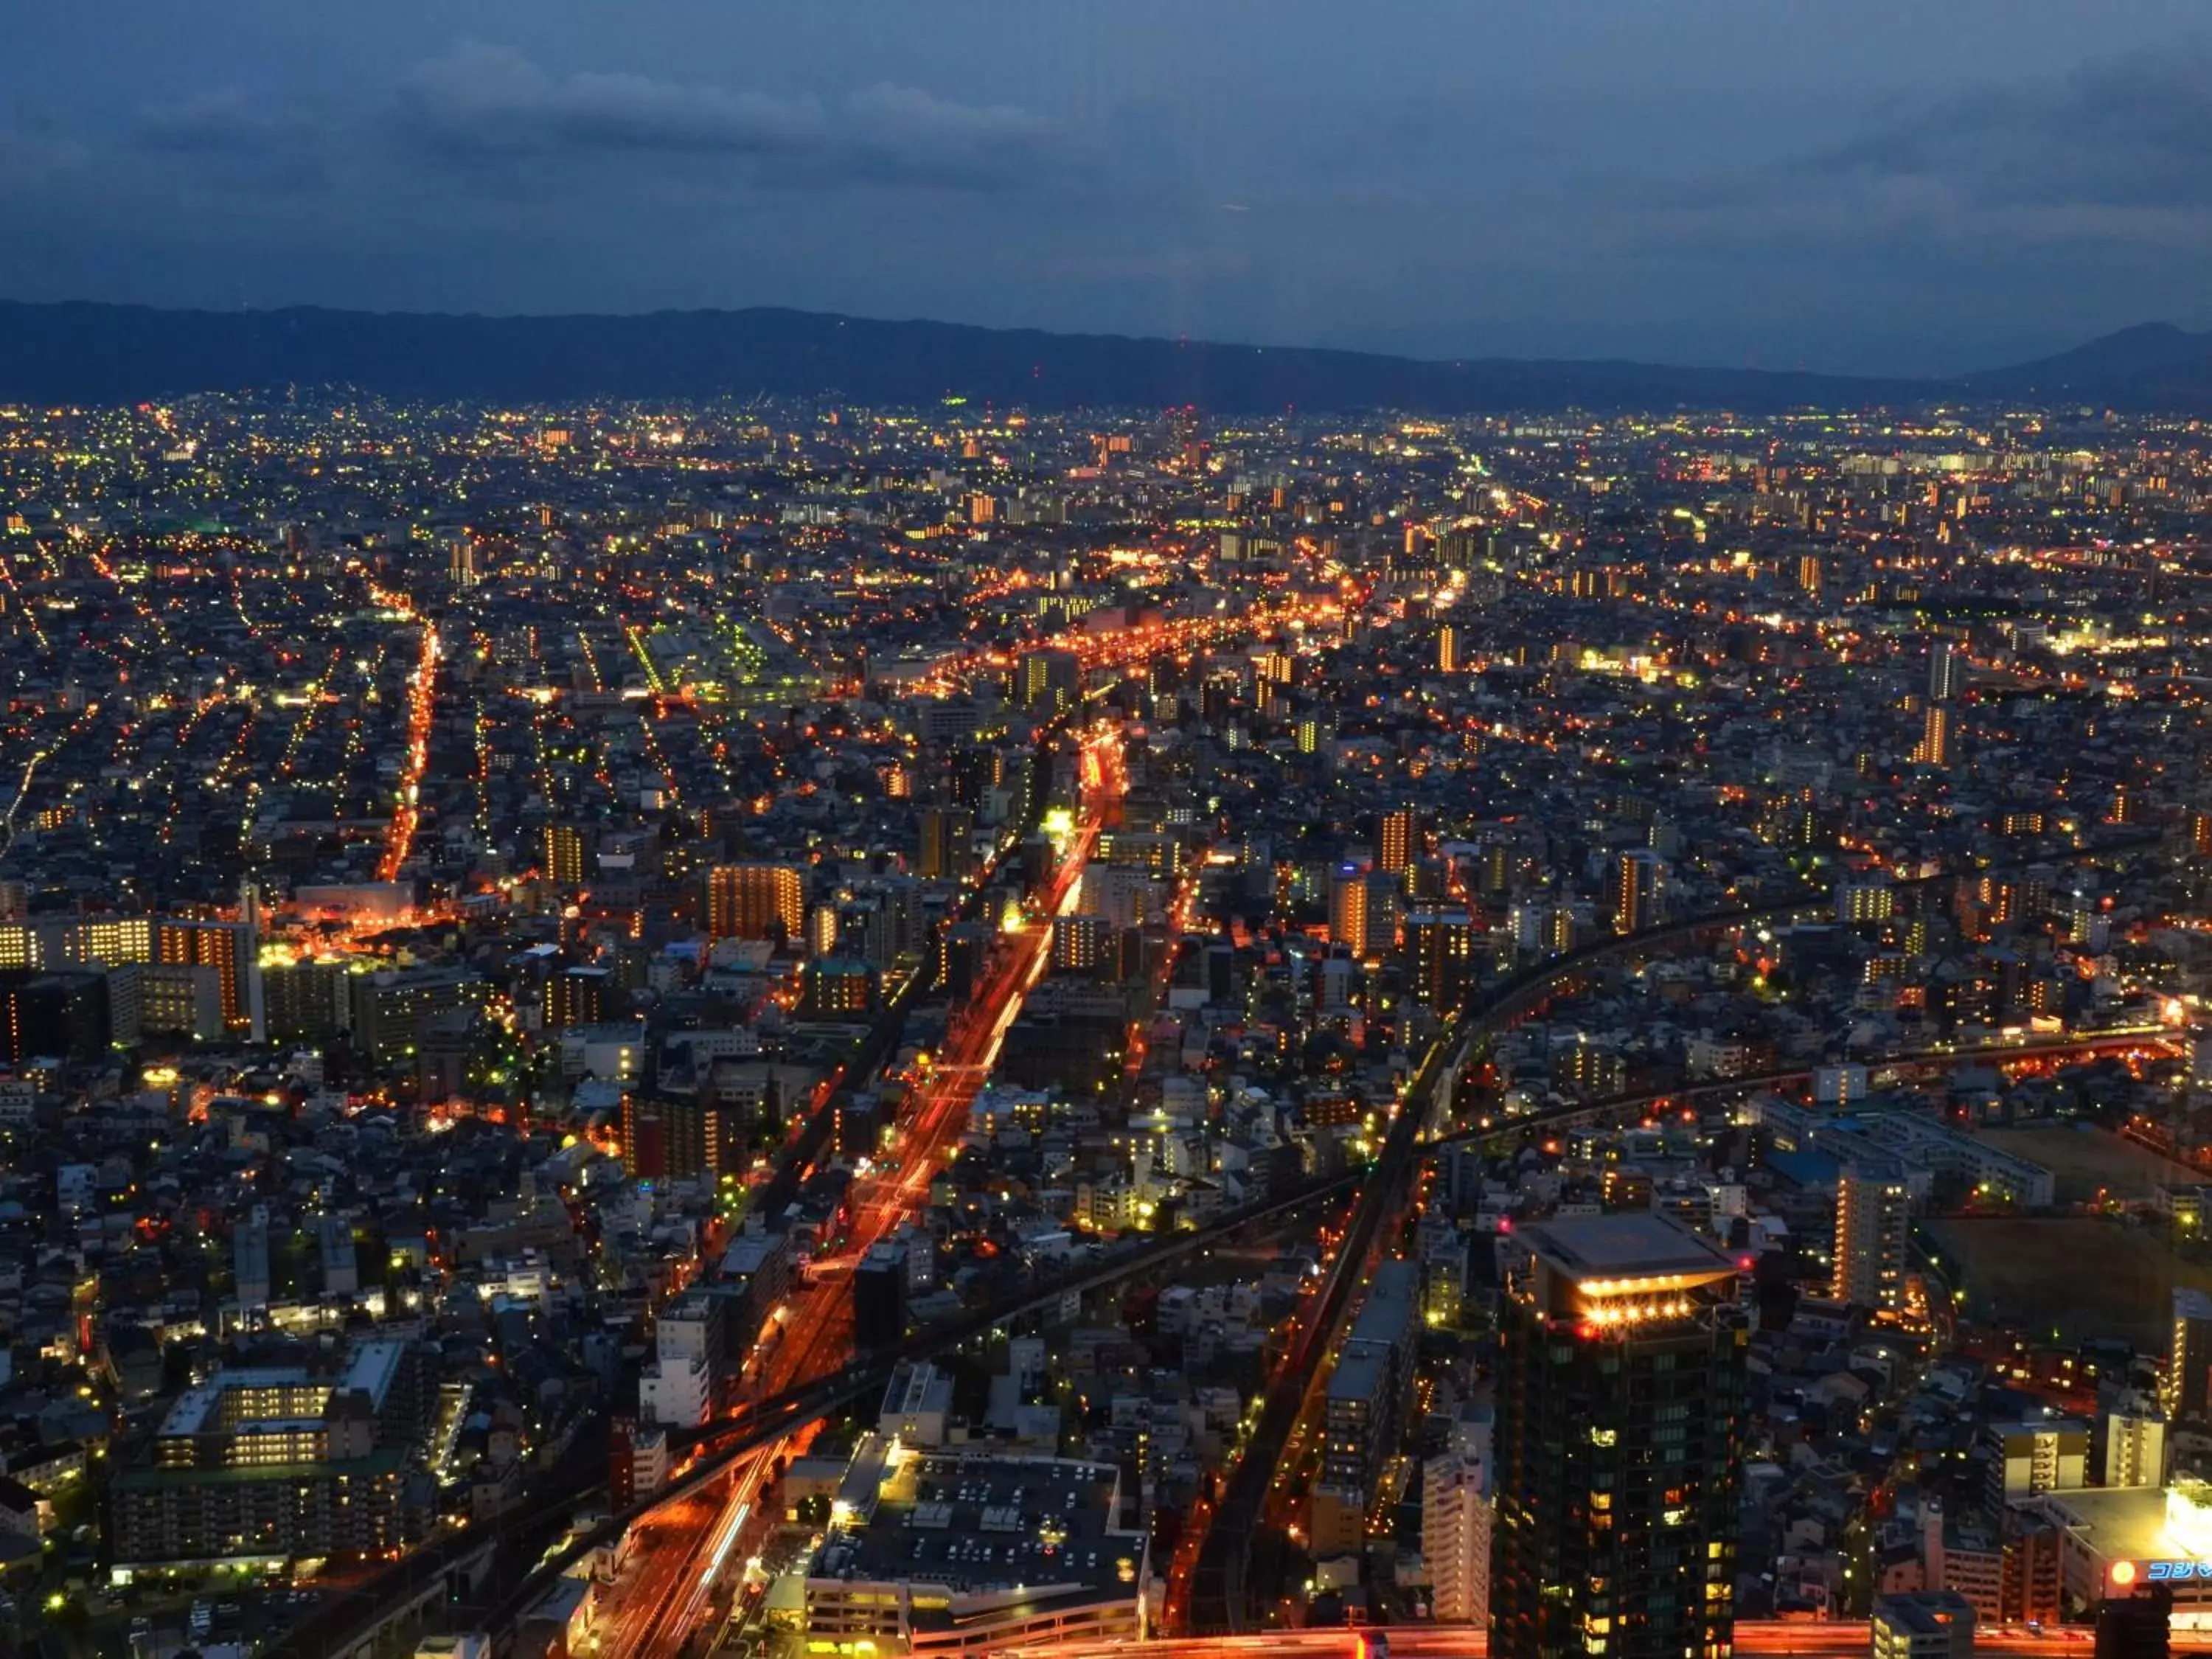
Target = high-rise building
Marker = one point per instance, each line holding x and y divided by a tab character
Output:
1639	890
249	1260
1455	1535
1397	840
232	949
390	1008
576	995
1861	902
1810	573
1048	681
836	987
1447	649
1439	956
274	1461
677	1138
1363	911
1370	1393
306	999
879	1296
1621	1373
561	854
1934	746
948	837
1873	1227
751	901
1946	672
2027	1460
962	950
62	1016
1085	945
1923	1625
2135	1446
2187	1380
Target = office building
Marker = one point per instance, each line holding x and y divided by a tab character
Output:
1621	1388
1926	1624
755	901
2115	1542
1874	1230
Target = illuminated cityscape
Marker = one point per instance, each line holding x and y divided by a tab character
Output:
795	1028
1086	831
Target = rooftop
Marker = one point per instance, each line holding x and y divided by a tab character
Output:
1644	1245
983	1524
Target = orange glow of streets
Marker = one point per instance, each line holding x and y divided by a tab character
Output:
420	693
685	1548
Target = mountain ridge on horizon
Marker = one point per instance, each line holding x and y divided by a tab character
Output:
94	352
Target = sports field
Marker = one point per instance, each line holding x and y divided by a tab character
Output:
2074	1276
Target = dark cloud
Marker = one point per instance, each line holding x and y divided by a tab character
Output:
245	142
2130	131
904	132
485	101
479	99
1716	180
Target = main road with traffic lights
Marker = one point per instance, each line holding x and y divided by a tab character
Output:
689	1548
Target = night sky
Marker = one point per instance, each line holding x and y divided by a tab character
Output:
1886	185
